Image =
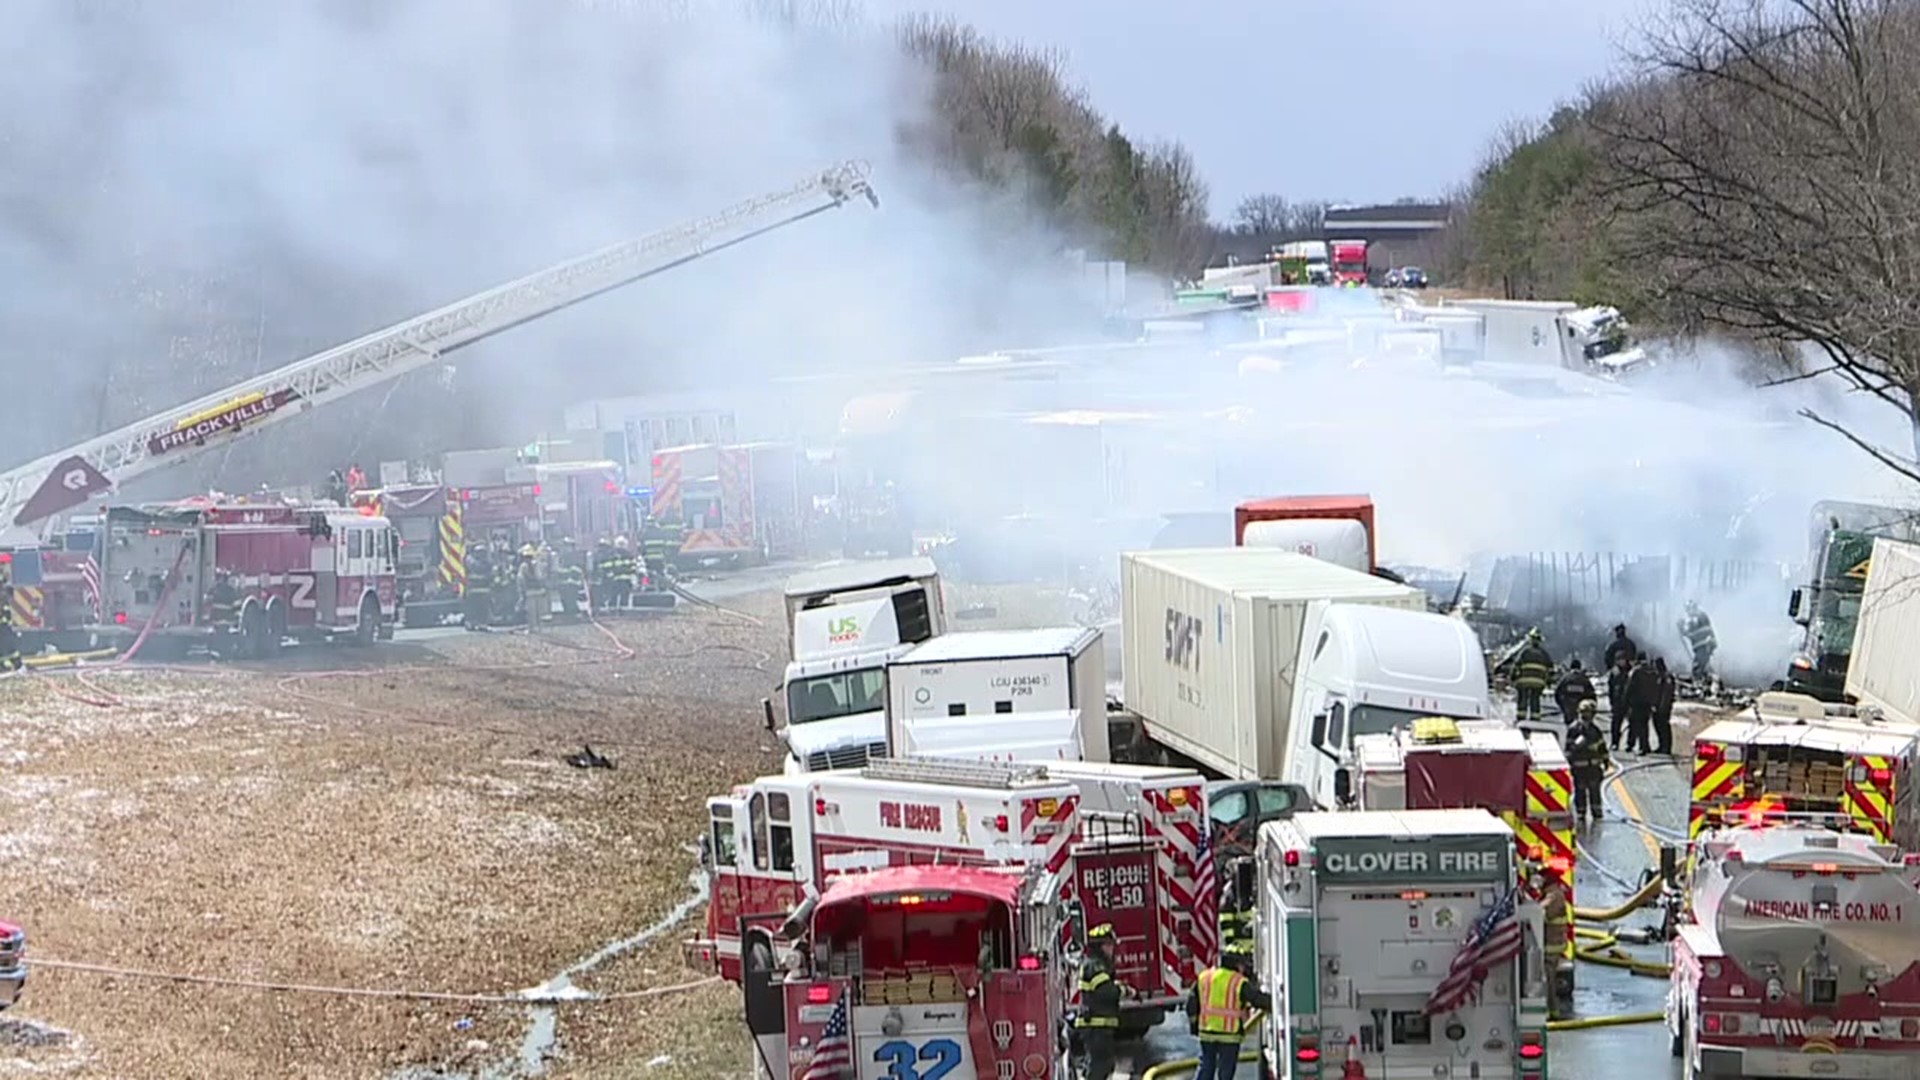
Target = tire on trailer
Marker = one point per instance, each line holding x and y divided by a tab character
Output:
368	626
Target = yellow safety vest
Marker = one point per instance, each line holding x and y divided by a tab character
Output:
1220	1017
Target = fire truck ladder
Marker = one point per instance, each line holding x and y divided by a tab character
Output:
58	482
943	771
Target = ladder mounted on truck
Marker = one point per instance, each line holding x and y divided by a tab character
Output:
58	482
945	771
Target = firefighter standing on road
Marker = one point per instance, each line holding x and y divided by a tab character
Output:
1586	748
1218	1008
224	599
1574	688
604	559
533	586
477	598
9	638
1532	674
1098	1022
1698	630
506	582
572	575
624	573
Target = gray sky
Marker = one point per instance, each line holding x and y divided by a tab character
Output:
1434	79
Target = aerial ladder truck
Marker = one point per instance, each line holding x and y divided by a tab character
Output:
34	495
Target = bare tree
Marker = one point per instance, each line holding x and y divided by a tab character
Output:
1768	159
1262	215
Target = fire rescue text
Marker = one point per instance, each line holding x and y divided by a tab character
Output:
914	817
1412	862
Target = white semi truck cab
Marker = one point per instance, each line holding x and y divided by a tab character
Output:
845	624
1361	916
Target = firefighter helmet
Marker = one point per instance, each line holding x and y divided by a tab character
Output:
1588	707
1103	932
622	543
1534	635
528	551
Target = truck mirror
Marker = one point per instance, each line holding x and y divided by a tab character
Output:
1795	601
766	707
706	852
1343	784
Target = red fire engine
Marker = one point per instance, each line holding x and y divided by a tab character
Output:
780	838
246	576
1798	947
1134	835
932	971
732	502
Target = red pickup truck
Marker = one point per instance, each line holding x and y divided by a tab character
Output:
13	963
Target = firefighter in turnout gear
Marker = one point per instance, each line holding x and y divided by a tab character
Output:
9	637
571	571
1532	674
506	582
601	573
224	599
1236	907
537	604
1587	757
1098	1021
1219	1006
624	573
1698	630
477	599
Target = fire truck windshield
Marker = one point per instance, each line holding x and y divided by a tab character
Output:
956	931
829	697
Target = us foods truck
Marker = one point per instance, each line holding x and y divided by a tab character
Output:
1362	918
1260	664
1010	695
845	623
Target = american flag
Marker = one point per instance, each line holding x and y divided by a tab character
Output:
1206	887
90	575
833	1054
1494	940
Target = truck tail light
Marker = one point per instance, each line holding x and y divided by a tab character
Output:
1307	1055
821	994
1000	822
1707	751
1031	962
1532	1052
1720	1024
1880	776
1292	858
820	807
120	617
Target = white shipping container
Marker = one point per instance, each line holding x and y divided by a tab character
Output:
1884	670
987	674
1212	641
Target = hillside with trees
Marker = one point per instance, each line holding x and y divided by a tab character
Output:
1753	176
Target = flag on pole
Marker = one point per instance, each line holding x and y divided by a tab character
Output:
1494	940
833	1054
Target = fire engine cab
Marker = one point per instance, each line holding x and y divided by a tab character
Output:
1799	957
935	971
1801	757
246	576
1443	764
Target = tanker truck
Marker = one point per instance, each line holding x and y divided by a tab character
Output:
1796	941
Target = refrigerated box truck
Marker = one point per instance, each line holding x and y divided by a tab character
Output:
1017	695
1882	672
1212	645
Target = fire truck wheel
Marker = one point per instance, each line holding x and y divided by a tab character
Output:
253	625
368	625
759	955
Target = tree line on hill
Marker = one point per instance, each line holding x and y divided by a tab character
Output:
1754	175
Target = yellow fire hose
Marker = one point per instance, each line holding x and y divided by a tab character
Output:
63	659
1627	907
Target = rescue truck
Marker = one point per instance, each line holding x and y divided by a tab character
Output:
1135	837
935	971
1799	957
296	571
1802	757
56	592
737	503
13	963
1441	764
1404	946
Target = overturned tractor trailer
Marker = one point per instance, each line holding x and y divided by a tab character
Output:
1261	664
1404	947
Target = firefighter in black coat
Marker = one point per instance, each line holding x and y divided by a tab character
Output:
476	600
1098	1022
1574	687
1532	673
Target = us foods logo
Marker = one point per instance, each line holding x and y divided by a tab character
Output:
1183	640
